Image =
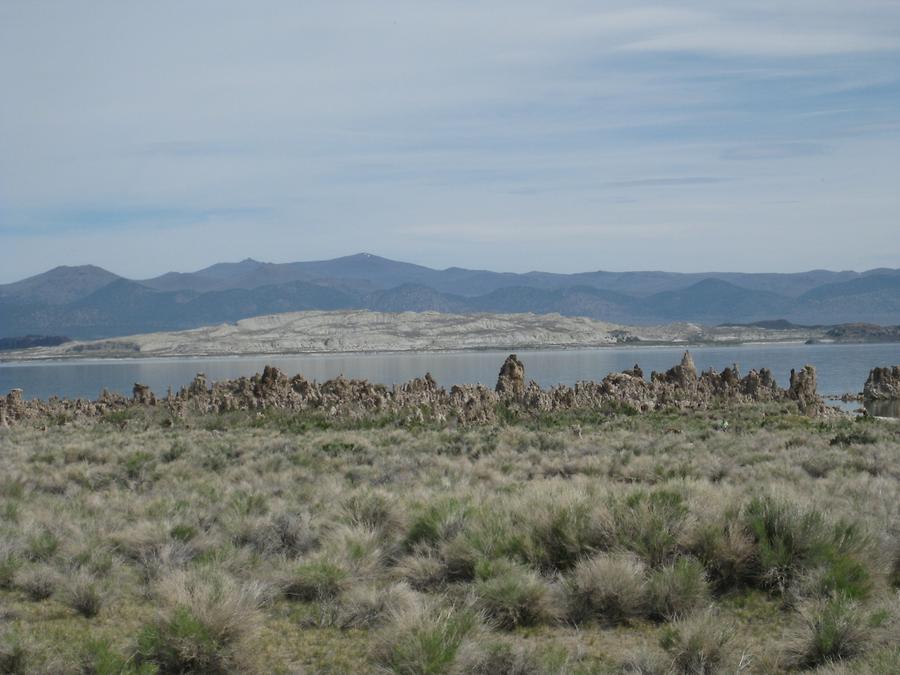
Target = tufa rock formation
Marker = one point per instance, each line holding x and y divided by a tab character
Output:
422	398
683	375
803	389
883	384
142	395
511	381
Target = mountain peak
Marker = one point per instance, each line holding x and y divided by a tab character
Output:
60	285
364	256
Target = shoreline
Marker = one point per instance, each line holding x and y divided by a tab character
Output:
27	359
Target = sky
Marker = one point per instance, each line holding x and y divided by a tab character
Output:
509	135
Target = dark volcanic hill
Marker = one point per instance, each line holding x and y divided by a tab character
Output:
89	302
58	286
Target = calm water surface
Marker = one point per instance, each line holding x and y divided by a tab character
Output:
841	368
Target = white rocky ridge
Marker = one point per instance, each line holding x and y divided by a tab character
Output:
367	331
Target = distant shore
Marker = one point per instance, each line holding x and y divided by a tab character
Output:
24	358
365	332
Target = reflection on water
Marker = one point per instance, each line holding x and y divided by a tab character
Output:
883	408
840	368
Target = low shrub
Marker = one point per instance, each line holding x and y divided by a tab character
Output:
832	630
182	532
10	562
375	509
38	582
42	545
13	655
854	437
317	579
99	658
561	528
360	549
436	522
845	577
790	541
84	595
285	533
422	571
425	639
204	625
607	587
510	658
646	661
699	645
727	551
512	596
650	524
366	606
676	589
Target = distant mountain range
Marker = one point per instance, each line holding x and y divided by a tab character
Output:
90	302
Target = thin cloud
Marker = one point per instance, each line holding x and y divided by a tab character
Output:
761	42
764	151
666	182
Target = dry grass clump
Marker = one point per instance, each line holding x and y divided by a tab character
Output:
84	594
38	582
647	661
205	624
436	521
41	544
13	655
284	533
376	510
700	645
511	595
562	526
425	638
650	524
727	551
422	571
791	541
610	588
490	657
676	589
365	606
10	562
832	630
316	579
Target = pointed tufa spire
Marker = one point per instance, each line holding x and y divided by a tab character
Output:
511	381
803	388
687	366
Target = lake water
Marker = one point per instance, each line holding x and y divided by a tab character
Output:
840	368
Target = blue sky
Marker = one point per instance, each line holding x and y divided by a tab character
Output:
511	135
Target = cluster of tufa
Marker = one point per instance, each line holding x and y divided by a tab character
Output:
883	384
680	387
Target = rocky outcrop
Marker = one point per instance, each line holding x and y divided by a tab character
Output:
803	388
637	371
511	381
883	384
142	395
423	399
14	407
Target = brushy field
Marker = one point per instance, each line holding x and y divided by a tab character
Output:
743	540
